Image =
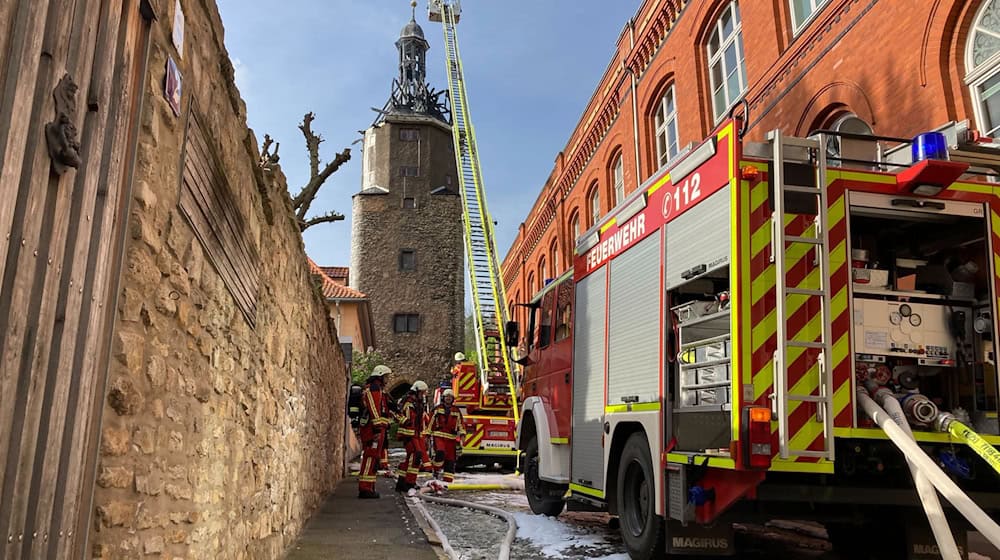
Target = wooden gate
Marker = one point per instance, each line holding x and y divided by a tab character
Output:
71	82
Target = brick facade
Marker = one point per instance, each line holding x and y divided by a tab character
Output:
899	66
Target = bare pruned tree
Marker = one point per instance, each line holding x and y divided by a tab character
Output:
305	197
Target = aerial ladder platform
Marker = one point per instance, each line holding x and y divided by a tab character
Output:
489	312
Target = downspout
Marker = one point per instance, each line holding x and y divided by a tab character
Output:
635	103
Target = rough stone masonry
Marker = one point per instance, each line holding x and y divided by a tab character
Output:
219	437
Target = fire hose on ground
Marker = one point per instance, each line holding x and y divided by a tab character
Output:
511	522
928	495
944	484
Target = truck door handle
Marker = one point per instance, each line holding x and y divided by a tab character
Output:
566	378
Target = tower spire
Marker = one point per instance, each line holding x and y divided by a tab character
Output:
411	94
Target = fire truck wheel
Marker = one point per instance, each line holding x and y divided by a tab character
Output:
539	492
641	528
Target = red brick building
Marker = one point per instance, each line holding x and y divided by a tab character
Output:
896	67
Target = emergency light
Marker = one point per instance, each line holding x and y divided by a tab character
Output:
931	171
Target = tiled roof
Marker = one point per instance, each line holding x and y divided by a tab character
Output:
337	272
331	289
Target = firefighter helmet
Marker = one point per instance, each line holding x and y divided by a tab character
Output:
418	386
459	357
381	370
448	393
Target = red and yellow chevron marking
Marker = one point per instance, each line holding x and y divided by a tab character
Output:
473	434
803	319
465	384
496	401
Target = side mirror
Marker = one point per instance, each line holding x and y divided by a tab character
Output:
512	333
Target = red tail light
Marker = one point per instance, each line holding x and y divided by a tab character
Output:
756	438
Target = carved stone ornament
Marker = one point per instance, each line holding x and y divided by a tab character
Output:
60	134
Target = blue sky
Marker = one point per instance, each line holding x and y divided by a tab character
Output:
530	69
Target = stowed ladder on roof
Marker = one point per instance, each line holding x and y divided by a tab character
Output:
816	194
484	270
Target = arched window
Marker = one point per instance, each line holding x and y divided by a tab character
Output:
554	257
541	272
665	121
575	227
983	67
618	179
726	68
847	123
595	205
531	285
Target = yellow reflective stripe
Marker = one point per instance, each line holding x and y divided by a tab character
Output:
559	440
932	437
490	451
632	407
823	467
405	432
443	435
702	460
832	175
588	491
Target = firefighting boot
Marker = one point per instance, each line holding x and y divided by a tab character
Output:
368	495
401	485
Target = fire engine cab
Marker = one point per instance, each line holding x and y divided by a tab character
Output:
715	354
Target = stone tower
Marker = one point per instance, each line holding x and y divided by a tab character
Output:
407	251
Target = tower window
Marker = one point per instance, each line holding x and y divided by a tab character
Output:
409	171
409	203
407	259
406	322
409	134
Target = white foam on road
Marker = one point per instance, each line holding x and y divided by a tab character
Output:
557	539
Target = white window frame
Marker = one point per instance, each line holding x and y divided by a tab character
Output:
554	257
618	179
718	57
541	270
663	121
575	225
815	6
977	75
595	204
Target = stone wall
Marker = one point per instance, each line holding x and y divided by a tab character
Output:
219	438
382	226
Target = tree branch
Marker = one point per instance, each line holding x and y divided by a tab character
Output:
312	143
325	218
267	158
305	198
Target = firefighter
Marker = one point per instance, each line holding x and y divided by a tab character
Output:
411	430
447	430
375	420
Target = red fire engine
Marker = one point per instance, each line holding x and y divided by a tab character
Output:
489	420
686	375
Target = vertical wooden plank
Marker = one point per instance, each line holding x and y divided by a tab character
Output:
23	281
15	112
103	266
41	496
16	102
8	10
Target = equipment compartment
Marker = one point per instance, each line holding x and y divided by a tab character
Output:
929	330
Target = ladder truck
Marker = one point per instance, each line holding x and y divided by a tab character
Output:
488	396
767	331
